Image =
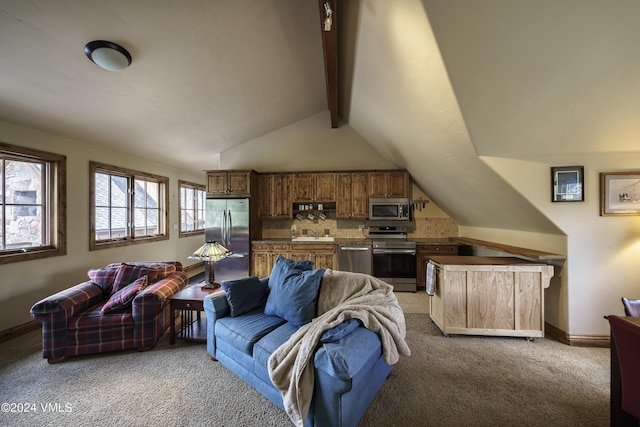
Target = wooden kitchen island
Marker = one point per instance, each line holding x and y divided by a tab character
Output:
501	296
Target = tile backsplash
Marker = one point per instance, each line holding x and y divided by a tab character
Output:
419	228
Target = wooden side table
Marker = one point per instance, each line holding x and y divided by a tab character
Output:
188	301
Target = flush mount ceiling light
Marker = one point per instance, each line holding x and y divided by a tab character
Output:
108	55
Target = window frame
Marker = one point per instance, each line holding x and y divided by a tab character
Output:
201	187
55	194
131	175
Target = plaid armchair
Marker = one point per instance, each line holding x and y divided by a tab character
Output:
123	306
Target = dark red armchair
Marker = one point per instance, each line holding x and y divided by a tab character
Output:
626	336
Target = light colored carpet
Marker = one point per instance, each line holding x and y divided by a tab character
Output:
457	381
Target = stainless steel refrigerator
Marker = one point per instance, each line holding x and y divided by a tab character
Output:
227	222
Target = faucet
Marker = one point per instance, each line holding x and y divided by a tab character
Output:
314	232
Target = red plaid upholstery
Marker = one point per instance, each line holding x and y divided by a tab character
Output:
72	323
103	277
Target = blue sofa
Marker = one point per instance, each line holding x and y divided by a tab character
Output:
349	365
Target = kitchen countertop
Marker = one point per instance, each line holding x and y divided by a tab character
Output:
478	260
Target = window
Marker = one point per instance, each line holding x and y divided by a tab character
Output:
32	204
127	207
192	200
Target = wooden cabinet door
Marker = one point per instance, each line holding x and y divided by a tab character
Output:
325	187
398	184
352	200
238	183
343	196
314	187
260	260
263	256
282	200
265	196
301	255
325	260
217	182
359	196
229	183
378	184
323	256
275	196
261	265
389	184
303	187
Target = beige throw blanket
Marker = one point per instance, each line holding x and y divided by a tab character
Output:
342	296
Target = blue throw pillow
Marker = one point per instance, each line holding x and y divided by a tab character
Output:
244	295
283	266
294	292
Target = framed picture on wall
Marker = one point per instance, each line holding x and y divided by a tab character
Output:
619	193
567	184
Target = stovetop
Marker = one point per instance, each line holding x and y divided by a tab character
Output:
386	232
390	237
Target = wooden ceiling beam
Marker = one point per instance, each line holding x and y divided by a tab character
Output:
329	30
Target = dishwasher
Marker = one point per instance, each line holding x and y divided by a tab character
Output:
355	258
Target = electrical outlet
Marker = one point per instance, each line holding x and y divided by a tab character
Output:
361	227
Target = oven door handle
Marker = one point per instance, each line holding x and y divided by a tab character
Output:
394	251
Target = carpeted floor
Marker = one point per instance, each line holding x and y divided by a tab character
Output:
457	381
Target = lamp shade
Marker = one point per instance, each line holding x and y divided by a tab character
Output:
210	251
108	55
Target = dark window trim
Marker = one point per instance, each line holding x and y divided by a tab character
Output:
163	218
193	185
57	200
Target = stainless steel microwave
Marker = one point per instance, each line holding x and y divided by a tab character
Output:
389	209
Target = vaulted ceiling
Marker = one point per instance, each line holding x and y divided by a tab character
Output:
433	86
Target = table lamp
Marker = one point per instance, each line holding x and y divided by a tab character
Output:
210	252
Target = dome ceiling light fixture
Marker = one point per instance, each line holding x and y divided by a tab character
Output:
108	55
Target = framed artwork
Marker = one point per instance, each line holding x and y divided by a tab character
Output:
619	193
567	184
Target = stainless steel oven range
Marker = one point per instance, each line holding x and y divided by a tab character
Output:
394	258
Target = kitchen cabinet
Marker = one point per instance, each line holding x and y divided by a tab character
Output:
501	296
389	184
263	256
323	255
316	187
352	199
275	196
229	183
424	253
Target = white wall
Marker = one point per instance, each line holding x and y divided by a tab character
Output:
310	144
602	252
24	283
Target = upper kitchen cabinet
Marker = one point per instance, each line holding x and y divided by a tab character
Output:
229	183
389	183
275	196
314	187
352	200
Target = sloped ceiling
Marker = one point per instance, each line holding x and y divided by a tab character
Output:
539	79
206	75
210	76
398	96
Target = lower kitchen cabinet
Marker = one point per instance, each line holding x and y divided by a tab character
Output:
263	256
424	253
323	256
499	296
